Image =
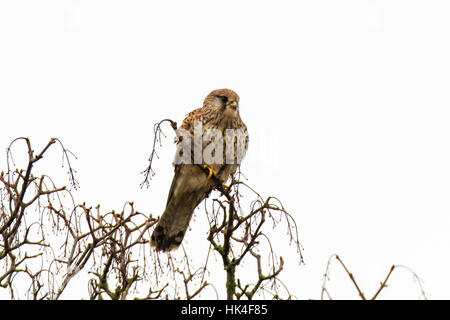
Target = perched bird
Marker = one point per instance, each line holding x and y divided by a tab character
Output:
190	184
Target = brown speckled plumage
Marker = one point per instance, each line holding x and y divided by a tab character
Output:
190	184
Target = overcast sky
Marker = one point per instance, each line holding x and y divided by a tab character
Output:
346	102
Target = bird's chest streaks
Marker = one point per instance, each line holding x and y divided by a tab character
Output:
219	141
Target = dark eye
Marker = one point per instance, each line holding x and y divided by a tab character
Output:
224	99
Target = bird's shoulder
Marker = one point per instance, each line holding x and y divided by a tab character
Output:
191	117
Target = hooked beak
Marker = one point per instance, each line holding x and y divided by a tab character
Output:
233	105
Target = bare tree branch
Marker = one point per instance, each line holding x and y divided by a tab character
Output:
382	286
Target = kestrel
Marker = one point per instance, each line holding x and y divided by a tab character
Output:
190	185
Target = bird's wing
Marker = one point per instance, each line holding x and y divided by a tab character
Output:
188	125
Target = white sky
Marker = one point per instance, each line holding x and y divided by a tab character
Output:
346	103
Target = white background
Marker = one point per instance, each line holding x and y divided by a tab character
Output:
347	105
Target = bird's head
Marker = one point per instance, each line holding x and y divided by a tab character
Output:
225	101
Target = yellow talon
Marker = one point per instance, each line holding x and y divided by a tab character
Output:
211	171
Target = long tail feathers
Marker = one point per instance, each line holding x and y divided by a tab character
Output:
171	229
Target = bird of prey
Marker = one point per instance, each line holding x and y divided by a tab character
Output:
190	184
